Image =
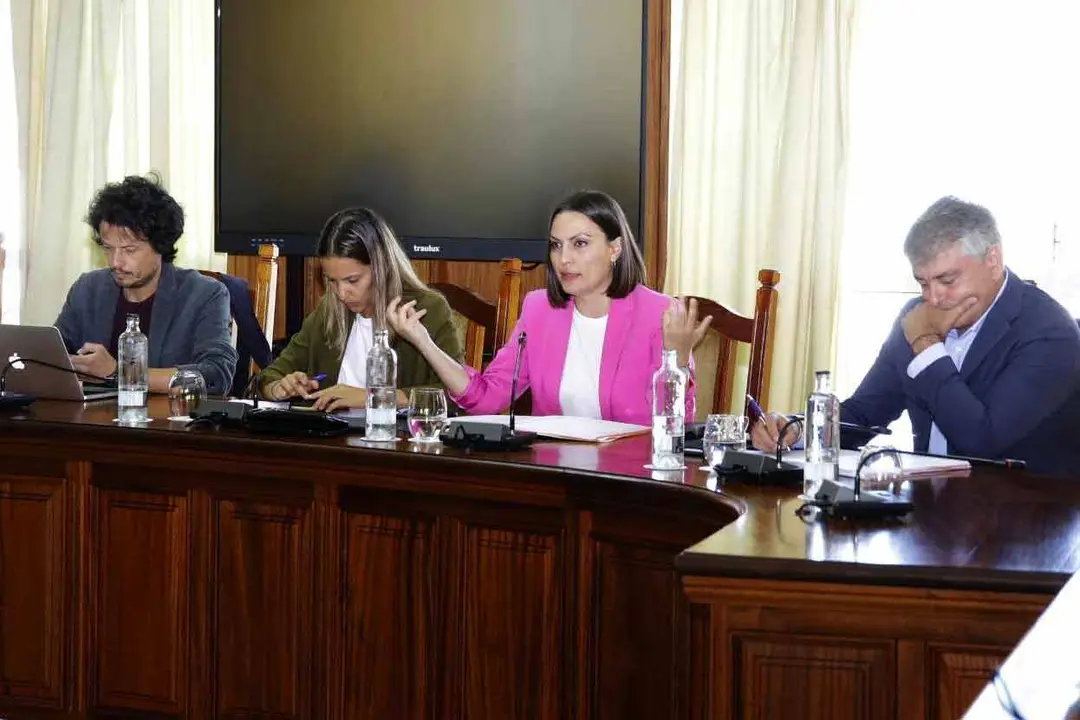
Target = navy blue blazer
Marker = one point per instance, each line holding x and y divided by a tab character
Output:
1017	395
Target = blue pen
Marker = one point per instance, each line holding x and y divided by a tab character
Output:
754	406
319	378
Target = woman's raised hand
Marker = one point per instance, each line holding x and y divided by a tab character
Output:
682	331
405	320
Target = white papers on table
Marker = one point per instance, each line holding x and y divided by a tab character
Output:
564	427
914	466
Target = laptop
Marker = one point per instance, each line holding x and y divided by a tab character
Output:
46	345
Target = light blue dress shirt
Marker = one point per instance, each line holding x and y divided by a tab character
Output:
955	346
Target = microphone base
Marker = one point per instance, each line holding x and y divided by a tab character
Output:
486	436
838	501
15	401
222	412
757	468
295	423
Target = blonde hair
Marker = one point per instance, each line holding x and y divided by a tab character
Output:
363	235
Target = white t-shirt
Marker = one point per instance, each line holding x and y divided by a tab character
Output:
579	391
354	361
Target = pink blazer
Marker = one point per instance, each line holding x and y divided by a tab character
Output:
633	343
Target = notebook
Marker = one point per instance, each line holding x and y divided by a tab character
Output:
564	427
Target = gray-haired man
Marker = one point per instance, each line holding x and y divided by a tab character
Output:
986	364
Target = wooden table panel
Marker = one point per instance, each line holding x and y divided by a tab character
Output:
234	575
138	597
34	560
262	599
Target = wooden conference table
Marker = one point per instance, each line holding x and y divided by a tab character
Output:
169	571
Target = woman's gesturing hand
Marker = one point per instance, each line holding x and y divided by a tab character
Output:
682	331
405	321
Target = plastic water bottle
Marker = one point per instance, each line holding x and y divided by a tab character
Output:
822	435
381	417
132	374
669	414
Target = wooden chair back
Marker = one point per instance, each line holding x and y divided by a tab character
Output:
716	357
485	326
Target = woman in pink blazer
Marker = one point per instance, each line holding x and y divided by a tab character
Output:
594	337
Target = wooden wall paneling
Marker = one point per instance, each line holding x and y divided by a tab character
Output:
247	267
314	284
657	112
34	558
481	277
263	603
138	645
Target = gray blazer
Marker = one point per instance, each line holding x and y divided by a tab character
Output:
189	323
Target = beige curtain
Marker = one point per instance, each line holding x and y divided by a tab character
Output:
65	54
757	167
107	88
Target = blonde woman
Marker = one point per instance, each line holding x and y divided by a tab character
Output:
365	268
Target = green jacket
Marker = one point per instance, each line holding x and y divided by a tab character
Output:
310	352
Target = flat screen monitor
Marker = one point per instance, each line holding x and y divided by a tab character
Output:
463	122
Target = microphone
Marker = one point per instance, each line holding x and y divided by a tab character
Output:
252	389
868	429
761	468
837	502
1009	463
514	378
229	412
492	436
9	400
286	422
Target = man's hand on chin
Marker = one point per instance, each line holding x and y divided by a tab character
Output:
924	325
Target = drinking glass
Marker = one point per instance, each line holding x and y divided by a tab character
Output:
883	471
427	414
722	433
187	390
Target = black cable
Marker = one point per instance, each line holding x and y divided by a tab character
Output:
780	435
13	362
865	459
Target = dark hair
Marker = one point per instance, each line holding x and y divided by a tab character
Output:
601	208
362	234
142	206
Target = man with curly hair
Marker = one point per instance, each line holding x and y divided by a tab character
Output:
184	314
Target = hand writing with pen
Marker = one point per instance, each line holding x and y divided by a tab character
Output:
765	434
